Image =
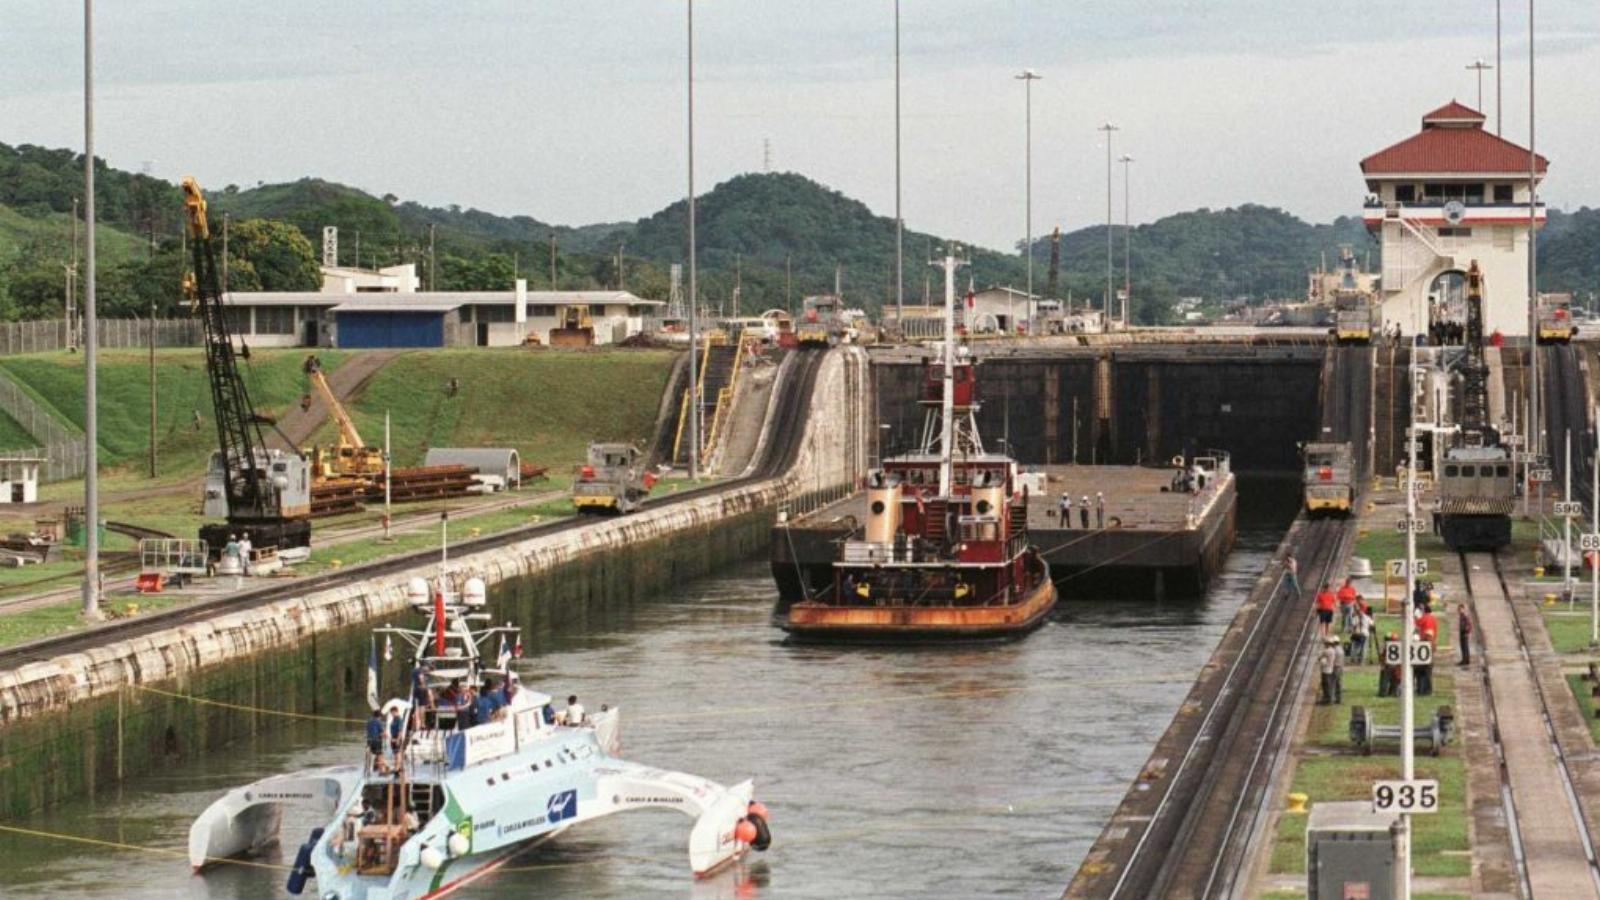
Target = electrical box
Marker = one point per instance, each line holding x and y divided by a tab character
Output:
1349	852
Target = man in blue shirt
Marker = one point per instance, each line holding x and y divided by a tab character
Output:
375	738
488	701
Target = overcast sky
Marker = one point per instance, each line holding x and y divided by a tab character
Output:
572	111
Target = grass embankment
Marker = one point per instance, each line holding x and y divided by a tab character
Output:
548	405
1331	769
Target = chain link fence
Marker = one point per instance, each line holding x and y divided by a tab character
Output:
44	335
62	448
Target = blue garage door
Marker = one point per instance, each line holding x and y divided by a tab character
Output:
391	329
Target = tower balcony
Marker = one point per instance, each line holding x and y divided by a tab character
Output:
1430	213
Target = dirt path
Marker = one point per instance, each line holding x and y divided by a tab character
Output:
354	374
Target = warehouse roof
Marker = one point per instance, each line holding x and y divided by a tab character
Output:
451	299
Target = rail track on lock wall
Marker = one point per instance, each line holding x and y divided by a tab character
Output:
781	450
1198	839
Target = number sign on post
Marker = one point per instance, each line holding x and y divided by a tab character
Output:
1397	568
1421	653
1416	796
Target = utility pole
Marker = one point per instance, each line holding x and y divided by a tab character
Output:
72	284
358	248
1407	684
553	261
622	282
694	292
1499	76
433	285
152	389
788	283
1479	66
91	427
738	283
1108	128
1594	529
1533	242
1127	240
1028	77
225	254
899	218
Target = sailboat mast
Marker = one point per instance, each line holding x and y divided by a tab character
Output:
948	403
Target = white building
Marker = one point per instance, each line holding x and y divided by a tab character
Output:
383	309
1442	198
19	479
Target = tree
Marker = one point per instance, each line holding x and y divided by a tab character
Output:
279	256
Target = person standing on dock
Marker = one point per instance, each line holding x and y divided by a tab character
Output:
1464	634
1347	603
1326	601
1064	509
1099	510
1083	511
1291	567
1360	627
1332	666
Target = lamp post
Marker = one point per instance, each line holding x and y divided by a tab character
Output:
899	219
91	438
1480	66
694	296
1127	240
1499	77
1108	128
1028	77
1533	244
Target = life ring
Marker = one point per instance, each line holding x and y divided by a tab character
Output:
1177	461
1114	522
763	838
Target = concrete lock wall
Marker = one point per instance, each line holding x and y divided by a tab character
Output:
1127	406
78	723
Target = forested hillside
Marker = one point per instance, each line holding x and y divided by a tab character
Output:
776	236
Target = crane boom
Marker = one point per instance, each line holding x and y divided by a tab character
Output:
263	493
349	437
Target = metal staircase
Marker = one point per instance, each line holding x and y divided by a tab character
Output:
719	382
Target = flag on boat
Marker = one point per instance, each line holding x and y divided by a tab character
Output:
388	648
372	674
516	649
438	622
503	661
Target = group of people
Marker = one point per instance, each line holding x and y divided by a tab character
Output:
1064	509
1356	619
238	550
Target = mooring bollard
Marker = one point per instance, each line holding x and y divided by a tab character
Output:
1297	802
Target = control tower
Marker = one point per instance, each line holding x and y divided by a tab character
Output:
1448	195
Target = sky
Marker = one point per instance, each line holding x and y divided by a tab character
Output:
573	111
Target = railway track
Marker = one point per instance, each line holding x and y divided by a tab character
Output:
1197	841
778	455
1542	841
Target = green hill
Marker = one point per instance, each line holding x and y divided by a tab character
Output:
549	406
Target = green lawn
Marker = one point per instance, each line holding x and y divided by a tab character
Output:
13	436
43	621
1586	705
1569	627
273	377
548	405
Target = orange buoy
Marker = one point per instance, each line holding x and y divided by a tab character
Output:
745	831
757	808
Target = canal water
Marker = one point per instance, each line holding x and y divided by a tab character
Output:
914	772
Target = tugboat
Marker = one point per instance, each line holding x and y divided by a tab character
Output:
444	796
944	553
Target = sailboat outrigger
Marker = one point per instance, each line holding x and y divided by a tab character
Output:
446	799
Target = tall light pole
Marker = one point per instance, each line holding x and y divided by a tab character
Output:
1499	77
91	433
1127	240
694	296
1479	66
1108	128
899	219
1028	77
1533	245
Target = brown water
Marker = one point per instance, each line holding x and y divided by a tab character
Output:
889	772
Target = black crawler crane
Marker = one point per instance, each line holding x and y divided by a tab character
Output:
263	494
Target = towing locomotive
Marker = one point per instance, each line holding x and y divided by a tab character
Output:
1476	486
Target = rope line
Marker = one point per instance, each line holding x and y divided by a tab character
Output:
137	848
206	701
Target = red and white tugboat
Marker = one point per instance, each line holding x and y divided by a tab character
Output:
944	553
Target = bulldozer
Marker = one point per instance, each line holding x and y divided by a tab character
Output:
576	330
349	458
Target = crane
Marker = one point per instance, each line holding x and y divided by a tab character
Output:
262	493
352	457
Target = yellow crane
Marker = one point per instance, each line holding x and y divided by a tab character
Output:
351	457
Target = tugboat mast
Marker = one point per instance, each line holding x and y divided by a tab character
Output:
948	404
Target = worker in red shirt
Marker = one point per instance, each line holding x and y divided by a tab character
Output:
1326	601
1428	630
1347	604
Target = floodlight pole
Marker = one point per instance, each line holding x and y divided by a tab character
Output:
1407	685
1108	128
91	433
694	297
1028	77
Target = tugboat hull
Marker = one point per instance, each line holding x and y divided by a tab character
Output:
823	622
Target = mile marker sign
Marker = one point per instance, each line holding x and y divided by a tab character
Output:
1415	796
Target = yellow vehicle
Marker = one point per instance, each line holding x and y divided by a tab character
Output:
1329	483
819	322
351	457
1555	325
611	481
577	330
